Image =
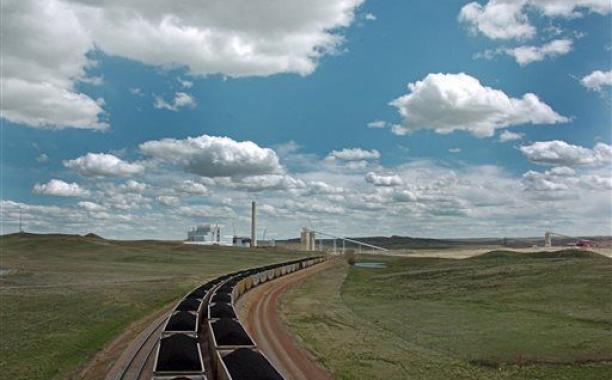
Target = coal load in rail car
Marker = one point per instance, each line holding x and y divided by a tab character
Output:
201	291
221	310
222	298
229	332
189	304
182	321
247	364
179	353
227	288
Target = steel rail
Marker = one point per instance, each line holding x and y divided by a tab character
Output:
140	347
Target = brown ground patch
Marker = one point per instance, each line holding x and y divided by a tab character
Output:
259	312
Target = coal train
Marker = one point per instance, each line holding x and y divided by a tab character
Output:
203	338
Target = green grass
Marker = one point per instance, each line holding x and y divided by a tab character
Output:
67	296
502	315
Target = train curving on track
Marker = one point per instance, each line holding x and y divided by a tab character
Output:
202	337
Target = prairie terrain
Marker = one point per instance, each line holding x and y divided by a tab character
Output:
501	315
63	297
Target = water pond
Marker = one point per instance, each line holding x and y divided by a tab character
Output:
370	265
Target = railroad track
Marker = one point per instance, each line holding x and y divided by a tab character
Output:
173	345
141	354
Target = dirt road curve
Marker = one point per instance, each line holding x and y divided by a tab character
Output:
259	313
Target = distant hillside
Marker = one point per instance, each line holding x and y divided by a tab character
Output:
32	236
564	253
91	235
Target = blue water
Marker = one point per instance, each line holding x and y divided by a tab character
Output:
371	265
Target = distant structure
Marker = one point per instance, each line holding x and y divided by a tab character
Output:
253	224
265	243
205	233
241	241
307	239
583	243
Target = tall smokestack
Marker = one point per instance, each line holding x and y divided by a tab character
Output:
253	224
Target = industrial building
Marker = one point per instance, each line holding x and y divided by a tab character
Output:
205	233
241	241
307	239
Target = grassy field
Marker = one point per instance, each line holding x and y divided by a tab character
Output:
64	297
499	316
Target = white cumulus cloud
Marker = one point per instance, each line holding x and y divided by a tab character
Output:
43	55
212	156
102	165
508	19
498	19
353	154
92	206
134	186
451	102
267	182
597	80
42	158
404	196
377	124
383	180
232	38
169	200
192	187
181	100
60	188
185	83
506	136
560	153
527	54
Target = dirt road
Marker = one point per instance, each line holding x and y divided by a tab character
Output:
259	313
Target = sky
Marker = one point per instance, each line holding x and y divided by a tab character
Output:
140	119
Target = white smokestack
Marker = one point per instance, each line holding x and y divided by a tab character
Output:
253	224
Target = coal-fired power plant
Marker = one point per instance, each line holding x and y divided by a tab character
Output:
253	224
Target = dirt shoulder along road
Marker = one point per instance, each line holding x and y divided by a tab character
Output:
258	310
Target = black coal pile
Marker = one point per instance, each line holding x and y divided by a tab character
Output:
222	310
246	364
222	297
182	321
225	289
229	332
178	353
189	304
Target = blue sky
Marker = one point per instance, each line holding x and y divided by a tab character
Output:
551	172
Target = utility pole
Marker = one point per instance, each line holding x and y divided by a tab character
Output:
20	220
253	224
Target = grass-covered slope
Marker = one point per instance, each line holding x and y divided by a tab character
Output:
65	296
494	316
